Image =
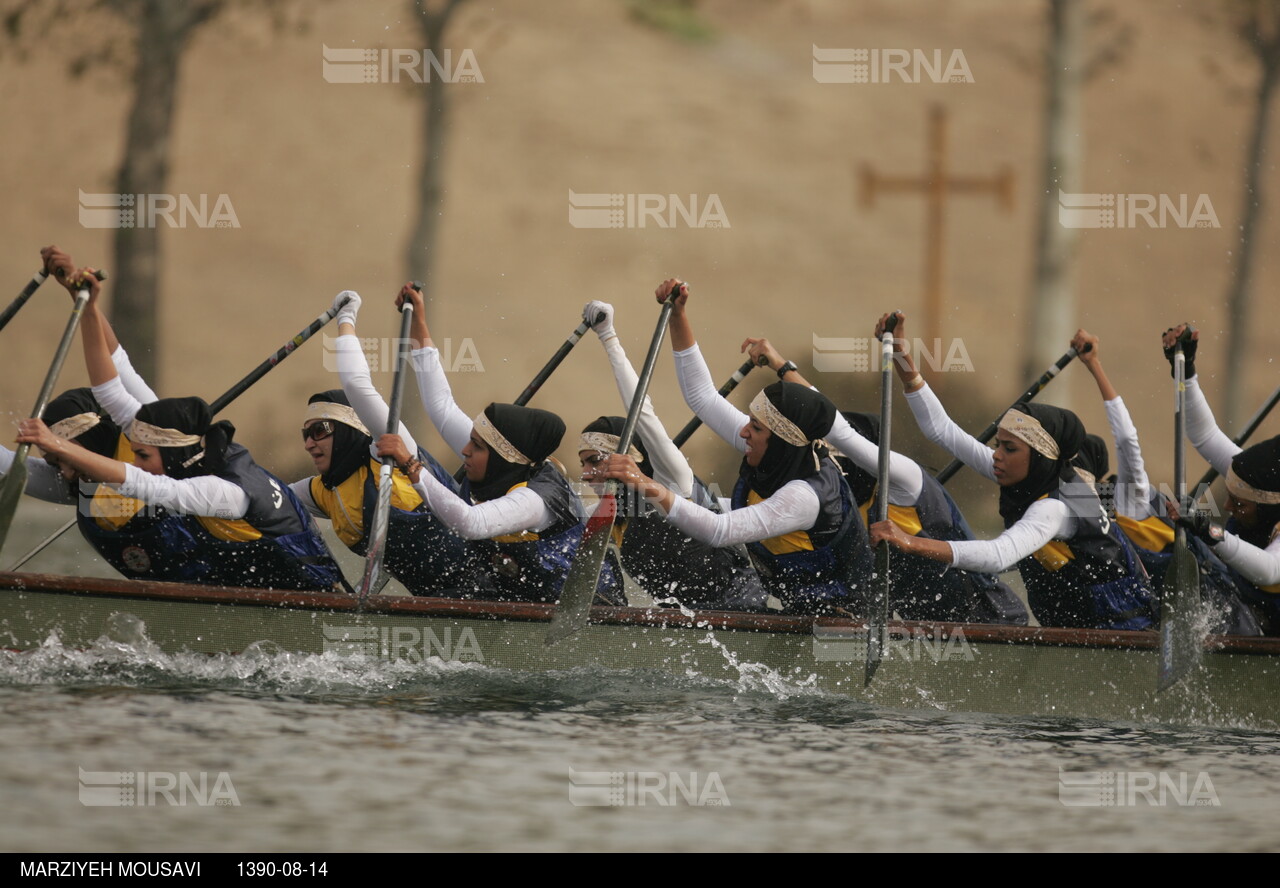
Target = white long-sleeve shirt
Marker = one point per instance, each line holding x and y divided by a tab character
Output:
670	468
906	479
44	482
519	510
794	506
1260	566
1133	487
366	400
204	495
1045	520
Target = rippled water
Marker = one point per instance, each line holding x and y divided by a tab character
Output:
328	753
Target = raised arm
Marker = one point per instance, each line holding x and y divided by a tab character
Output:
1133	488
433	386
1202	429
670	467
353	373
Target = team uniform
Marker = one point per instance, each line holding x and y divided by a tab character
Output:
522	521
1253	554
1079	570
421	552
793	511
921	589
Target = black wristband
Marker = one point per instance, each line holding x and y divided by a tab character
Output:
787	368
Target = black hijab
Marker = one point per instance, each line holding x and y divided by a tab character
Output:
810	411
104	438
535	433
1044	475
1259	467
350	445
1093	457
190	416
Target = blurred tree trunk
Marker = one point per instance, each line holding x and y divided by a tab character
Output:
1053	304
420	253
1258	26
164	29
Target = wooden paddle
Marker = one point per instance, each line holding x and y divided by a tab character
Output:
1180	597
16	481
1032	390
574	606
879	608
217	406
374	576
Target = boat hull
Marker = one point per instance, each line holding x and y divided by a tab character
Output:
1093	674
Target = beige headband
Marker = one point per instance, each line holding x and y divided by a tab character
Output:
606	443
771	417
1028	430
338	413
74	426
1244	490
154	436
494	438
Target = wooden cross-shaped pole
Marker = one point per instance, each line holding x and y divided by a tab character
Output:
936	183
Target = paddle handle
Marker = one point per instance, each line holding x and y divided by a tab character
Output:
646	373
32	285
1032	390
738	375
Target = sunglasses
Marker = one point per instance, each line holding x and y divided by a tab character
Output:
318	430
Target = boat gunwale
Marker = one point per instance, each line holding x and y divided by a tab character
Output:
822	628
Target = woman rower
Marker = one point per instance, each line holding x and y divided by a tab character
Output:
517	511
790	505
1250	543
645	549
920	506
1141	512
1078	571
243	526
421	553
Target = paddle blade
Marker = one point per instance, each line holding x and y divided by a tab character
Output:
375	577
579	588
877	616
11	491
1179	605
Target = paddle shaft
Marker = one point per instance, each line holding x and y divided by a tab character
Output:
543	375
1208	477
274	359
692	425
1032	390
574	606
15	482
878	622
32	285
373	579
